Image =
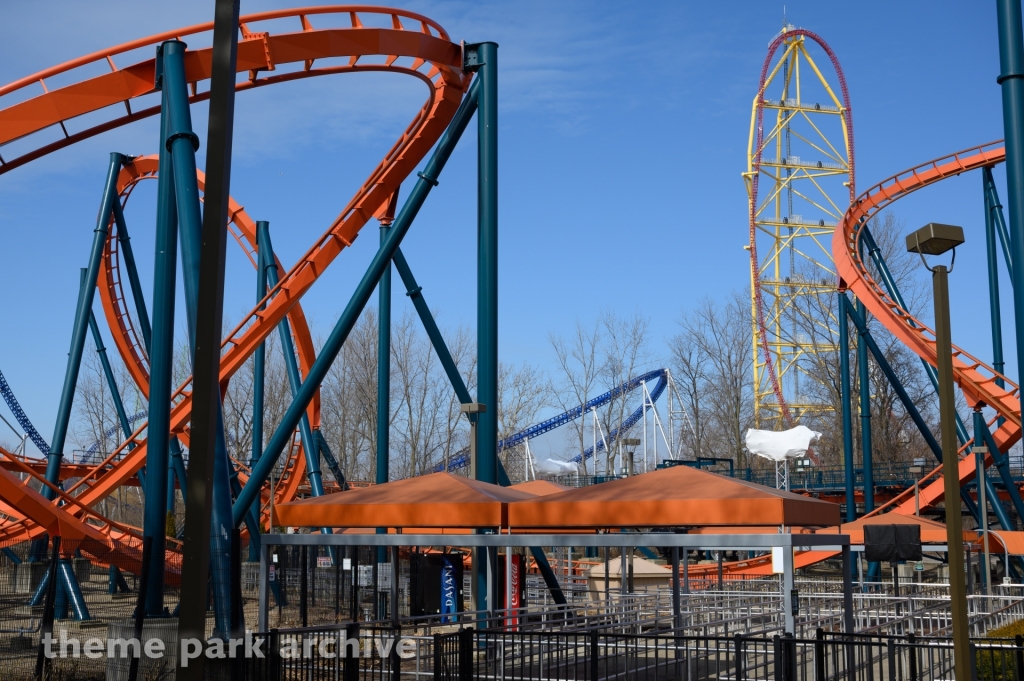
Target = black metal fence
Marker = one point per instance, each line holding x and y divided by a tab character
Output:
599	655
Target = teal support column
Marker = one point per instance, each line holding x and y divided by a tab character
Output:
171	500
141	310
383	371
108	374
415	293
1011	79
867	458
178	464
865	416
183	144
350	315
998	221
259	368
260	356
81	326
981	477
993	280
845	398
383	472
487	290
309	445
72	591
161	363
128	258
330	459
487	263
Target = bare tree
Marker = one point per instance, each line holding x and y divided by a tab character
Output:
691	367
580	364
522	393
713	356
625	354
349	394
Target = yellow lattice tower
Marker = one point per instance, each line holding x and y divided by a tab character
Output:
800	180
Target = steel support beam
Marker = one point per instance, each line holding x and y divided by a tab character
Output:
845	398
993	281
382	471
487	263
108	374
1011	80
260	356
486	451
128	257
383	468
415	293
183	144
161	361
997	217
329	458
309	445
81	326
864	381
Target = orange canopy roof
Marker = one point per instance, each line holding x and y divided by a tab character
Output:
932	532
435	500
671	497
1004	541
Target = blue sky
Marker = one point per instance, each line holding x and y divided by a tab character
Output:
623	133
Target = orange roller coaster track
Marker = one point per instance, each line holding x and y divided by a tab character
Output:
408	44
977	380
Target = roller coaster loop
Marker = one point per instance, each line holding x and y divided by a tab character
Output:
395	41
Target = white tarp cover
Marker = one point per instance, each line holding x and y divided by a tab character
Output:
555	467
779	446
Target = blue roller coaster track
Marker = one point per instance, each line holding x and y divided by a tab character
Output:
33	434
462	459
113	430
21	417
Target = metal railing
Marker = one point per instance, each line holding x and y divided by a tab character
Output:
596	654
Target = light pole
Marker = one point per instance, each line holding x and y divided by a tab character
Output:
916	470
936	239
479	571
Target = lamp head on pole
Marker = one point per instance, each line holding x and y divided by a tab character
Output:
935	239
